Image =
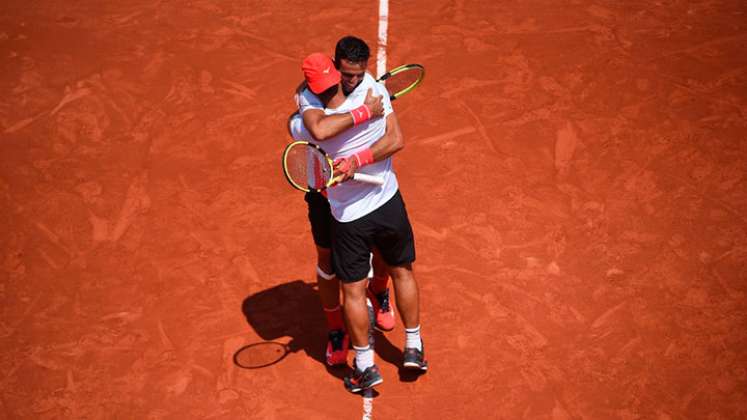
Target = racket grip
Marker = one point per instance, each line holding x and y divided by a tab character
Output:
370	179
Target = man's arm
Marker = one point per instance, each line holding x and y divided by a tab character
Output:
323	127
390	143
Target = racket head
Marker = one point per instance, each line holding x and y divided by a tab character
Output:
403	79
307	167
261	354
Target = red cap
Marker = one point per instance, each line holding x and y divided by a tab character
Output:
320	72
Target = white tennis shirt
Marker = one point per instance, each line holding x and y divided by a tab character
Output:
352	200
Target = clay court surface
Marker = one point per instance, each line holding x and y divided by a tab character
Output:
575	173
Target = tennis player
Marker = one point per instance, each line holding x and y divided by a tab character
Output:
320	74
365	216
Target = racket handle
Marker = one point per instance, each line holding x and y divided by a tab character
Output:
371	179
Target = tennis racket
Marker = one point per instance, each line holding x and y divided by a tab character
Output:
307	167
403	79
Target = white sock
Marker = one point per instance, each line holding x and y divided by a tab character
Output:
364	357
412	338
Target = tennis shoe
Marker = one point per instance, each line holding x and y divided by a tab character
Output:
383	310
415	359
361	380
338	345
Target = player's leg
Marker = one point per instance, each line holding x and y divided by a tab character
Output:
338	341
365	373
350	260
378	293
408	304
329	286
395	240
356	311
408	295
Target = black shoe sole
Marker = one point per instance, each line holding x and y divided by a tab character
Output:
359	389
415	366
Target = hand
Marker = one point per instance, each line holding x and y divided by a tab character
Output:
374	104
344	168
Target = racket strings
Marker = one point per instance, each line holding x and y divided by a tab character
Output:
306	166
317	173
401	81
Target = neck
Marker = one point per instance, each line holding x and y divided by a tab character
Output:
333	100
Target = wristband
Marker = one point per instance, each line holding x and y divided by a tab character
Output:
360	114
364	157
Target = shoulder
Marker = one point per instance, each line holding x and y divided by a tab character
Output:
373	83
307	100
377	86
308	97
380	90
297	128
368	82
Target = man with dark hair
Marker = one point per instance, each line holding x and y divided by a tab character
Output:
365	216
351	58
320	75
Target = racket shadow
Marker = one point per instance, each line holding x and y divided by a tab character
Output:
292	310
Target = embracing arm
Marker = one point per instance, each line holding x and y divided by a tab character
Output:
323	127
390	143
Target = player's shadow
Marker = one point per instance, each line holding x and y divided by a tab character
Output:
291	310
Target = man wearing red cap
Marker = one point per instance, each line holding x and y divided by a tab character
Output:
365	216
323	79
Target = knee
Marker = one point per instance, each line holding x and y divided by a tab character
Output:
354	292
402	272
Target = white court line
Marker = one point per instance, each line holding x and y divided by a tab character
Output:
380	70
383	25
367	404
368	393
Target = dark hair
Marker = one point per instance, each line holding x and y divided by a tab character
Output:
352	49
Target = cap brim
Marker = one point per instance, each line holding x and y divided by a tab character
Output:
319	86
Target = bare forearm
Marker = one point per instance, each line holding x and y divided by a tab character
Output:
323	127
391	143
332	125
385	147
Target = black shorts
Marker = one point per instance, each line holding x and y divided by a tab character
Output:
320	218
386	228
